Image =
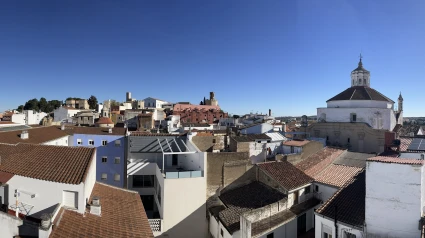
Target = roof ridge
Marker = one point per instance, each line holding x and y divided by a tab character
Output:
367	91
118	188
353	93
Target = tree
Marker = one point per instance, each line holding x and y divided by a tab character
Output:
53	104
42	104
32	105
236	116
92	102
20	108
204	101
114	103
201	103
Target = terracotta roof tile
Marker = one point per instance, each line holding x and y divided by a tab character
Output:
337	175
60	164
286	174
350	202
318	161
296	142
94	130
36	135
123	215
393	160
243	199
104	120
5	176
405	143
251	137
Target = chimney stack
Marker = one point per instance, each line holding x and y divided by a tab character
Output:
45	221
95	207
24	135
110	130
63	127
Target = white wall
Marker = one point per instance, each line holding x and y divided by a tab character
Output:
63	113
216	227
9	225
63	141
288	230
366	115
258	129
90	178
393	199
324	221
325	191
47	193
184	207
359	104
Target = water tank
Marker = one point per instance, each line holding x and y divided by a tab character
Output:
45	221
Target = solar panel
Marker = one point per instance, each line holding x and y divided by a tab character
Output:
417	144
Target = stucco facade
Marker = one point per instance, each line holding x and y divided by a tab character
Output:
64	113
394	199
111	157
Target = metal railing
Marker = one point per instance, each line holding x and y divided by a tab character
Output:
155	225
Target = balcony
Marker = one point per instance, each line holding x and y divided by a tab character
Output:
181	173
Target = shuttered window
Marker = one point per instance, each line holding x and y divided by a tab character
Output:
70	199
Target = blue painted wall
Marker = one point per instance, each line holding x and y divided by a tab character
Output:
111	151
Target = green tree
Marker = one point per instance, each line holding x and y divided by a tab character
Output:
32	105
236	116
20	108
92	102
42	104
114	103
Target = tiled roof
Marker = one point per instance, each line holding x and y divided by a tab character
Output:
405	130
360	93
353	159
36	135
337	175
405	143
6	122
4	177
318	161
60	164
251	137
243	199
94	130
296	142
123	215
397	127
104	120
195	125
286	174
349	201
393	160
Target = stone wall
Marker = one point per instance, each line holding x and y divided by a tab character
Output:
225	168
239	146
208	142
362	137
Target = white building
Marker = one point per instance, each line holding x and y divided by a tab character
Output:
361	103
28	117
169	173
49	135
395	197
257	128
31	191
154	102
65	113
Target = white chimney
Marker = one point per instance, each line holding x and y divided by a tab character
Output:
63	127
95	207
45	221
24	135
110	130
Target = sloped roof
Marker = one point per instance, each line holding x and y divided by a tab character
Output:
349	201
251	137
353	159
296	142
318	161
116	131
286	174
337	175
243	199
360	93
123	215
104	120
37	135
60	164
393	160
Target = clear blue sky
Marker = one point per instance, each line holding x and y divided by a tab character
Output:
290	56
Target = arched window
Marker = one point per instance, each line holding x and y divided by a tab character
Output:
360	81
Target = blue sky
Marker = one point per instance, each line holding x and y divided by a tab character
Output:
289	56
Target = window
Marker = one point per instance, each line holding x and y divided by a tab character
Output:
117	160
70	199
353	117
349	235
104	142
117	177
104	176
326	235
104	159
307	190
143	181
221	232
348	140
175	160
317	188
79	142
117	143
213	140
91	142
292	149
271	235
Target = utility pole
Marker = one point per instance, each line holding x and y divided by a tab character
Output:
336	225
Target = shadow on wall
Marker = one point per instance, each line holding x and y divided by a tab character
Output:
190	226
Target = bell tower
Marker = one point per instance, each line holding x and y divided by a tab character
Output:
400	103
360	76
